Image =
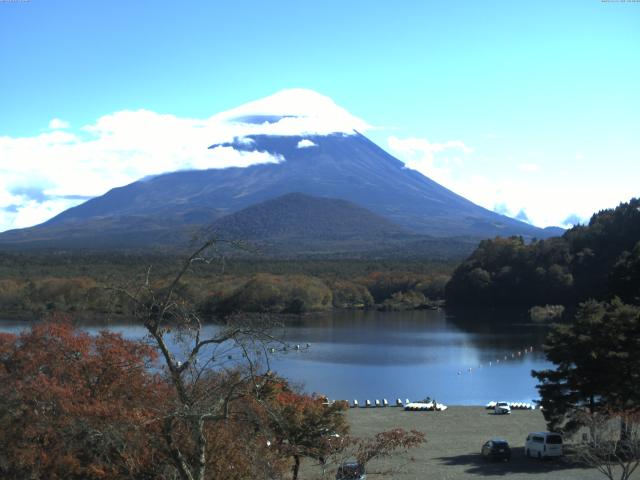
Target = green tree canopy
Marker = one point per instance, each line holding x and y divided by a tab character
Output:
597	364
601	260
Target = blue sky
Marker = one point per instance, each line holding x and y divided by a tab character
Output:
523	107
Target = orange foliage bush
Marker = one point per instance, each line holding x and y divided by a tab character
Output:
77	406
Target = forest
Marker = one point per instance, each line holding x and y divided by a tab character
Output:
81	406
84	284
600	260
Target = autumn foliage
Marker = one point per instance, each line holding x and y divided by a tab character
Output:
80	406
76	406
303	425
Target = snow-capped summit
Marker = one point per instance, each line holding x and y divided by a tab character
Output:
290	112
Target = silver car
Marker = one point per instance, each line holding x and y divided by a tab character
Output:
351	471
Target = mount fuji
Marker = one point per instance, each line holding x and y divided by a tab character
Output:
296	141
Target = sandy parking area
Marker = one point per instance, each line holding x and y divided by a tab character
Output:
454	439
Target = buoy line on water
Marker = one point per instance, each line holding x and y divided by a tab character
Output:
509	356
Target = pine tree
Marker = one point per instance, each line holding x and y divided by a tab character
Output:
597	364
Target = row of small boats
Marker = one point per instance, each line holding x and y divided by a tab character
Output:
430	406
513	405
407	405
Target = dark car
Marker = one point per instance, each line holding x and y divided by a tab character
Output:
351	471
496	449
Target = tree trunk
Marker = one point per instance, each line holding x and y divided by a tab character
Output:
296	466
625	431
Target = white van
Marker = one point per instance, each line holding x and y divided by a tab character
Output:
543	444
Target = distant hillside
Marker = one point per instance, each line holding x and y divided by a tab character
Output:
306	218
290	226
598	261
301	225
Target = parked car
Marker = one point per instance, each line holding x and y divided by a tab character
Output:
502	408
351	471
496	449
543	444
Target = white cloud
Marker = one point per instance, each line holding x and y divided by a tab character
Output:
306	143
502	209
573	220
228	156
494	185
54	170
421	150
427	158
294	111
522	216
545	204
529	167
57	124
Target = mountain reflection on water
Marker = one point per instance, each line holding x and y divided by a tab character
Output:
375	355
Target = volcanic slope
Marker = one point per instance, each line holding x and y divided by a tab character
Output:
306	144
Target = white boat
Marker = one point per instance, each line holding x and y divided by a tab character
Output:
425	406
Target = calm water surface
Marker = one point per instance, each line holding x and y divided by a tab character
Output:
375	355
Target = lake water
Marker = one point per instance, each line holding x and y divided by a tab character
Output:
459	358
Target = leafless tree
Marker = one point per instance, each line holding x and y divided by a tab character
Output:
611	443
375	448
209	366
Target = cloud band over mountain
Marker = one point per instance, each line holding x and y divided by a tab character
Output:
45	174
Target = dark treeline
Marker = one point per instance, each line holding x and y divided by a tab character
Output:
33	284
600	260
